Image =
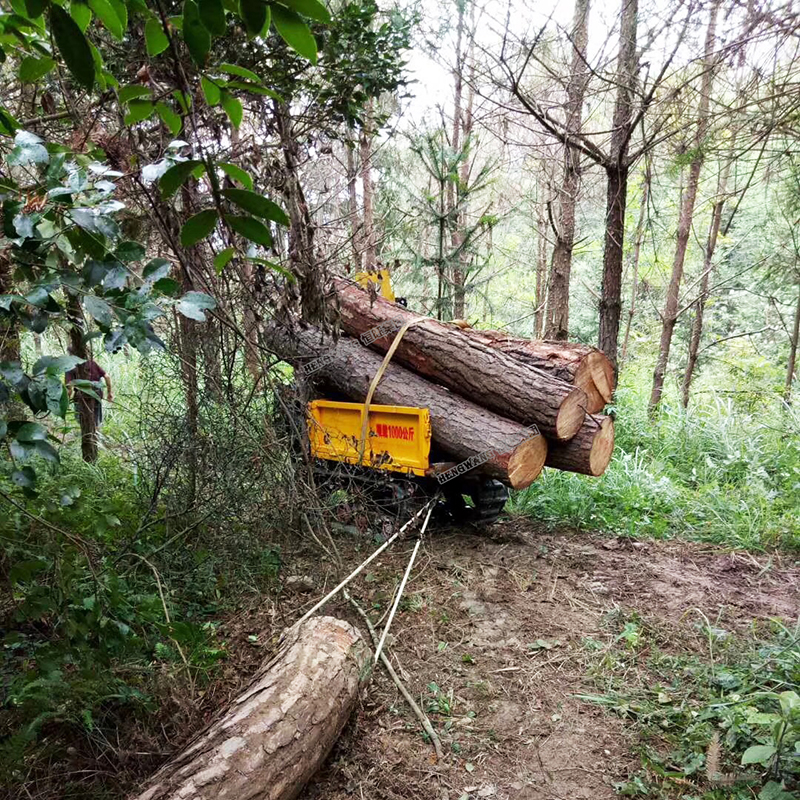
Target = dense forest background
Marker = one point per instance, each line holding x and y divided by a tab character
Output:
176	177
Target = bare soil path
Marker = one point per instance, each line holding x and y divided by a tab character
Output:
498	634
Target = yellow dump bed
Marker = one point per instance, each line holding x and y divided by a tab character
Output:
398	437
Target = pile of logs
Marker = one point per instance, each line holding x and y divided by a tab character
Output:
483	388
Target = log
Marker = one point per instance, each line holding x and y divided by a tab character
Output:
589	451
275	734
578	364
455	359
459	427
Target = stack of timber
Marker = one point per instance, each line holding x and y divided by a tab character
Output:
484	389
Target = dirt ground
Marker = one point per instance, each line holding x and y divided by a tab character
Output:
493	639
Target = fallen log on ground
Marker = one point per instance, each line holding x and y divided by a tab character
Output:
457	360
276	734
578	364
589	451
460	427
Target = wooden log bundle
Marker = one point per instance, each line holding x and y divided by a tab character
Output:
460	427
460	361
578	364
274	736
483	388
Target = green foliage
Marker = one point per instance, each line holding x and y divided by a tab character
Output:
66	245
712	473
725	721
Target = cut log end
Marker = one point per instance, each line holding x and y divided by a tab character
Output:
602	371
571	414
526	462
602	448
589	452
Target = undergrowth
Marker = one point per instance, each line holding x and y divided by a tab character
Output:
113	579
717	718
712	473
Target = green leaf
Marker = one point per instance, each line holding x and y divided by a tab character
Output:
45	449
169	118
8	125
254	14
155	39
255	88
295	32
82	15
156	269
211	91
221	260
197	38
176	176
31	432
121	11
25	478
233	108
241	72
133	92
138	111
273	266
31	69
198	227
128	251
257	204
73	46
237	174
56	365
774	791
212	15
250	228
98	309
758	754
193	304
167	286
35	8
309	8
105	12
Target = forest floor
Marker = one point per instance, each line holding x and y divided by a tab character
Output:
503	636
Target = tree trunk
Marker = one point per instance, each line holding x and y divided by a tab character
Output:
637	249
355	222
84	404
611	290
456	360
541	272
275	735
790	367
459	427
589	452
557	326
369	237
13	409
577	364
670	315
310	280
462	129
617	169
708	268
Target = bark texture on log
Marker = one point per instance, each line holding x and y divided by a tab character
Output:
581	365
459	427
278	732
467	366
589	452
